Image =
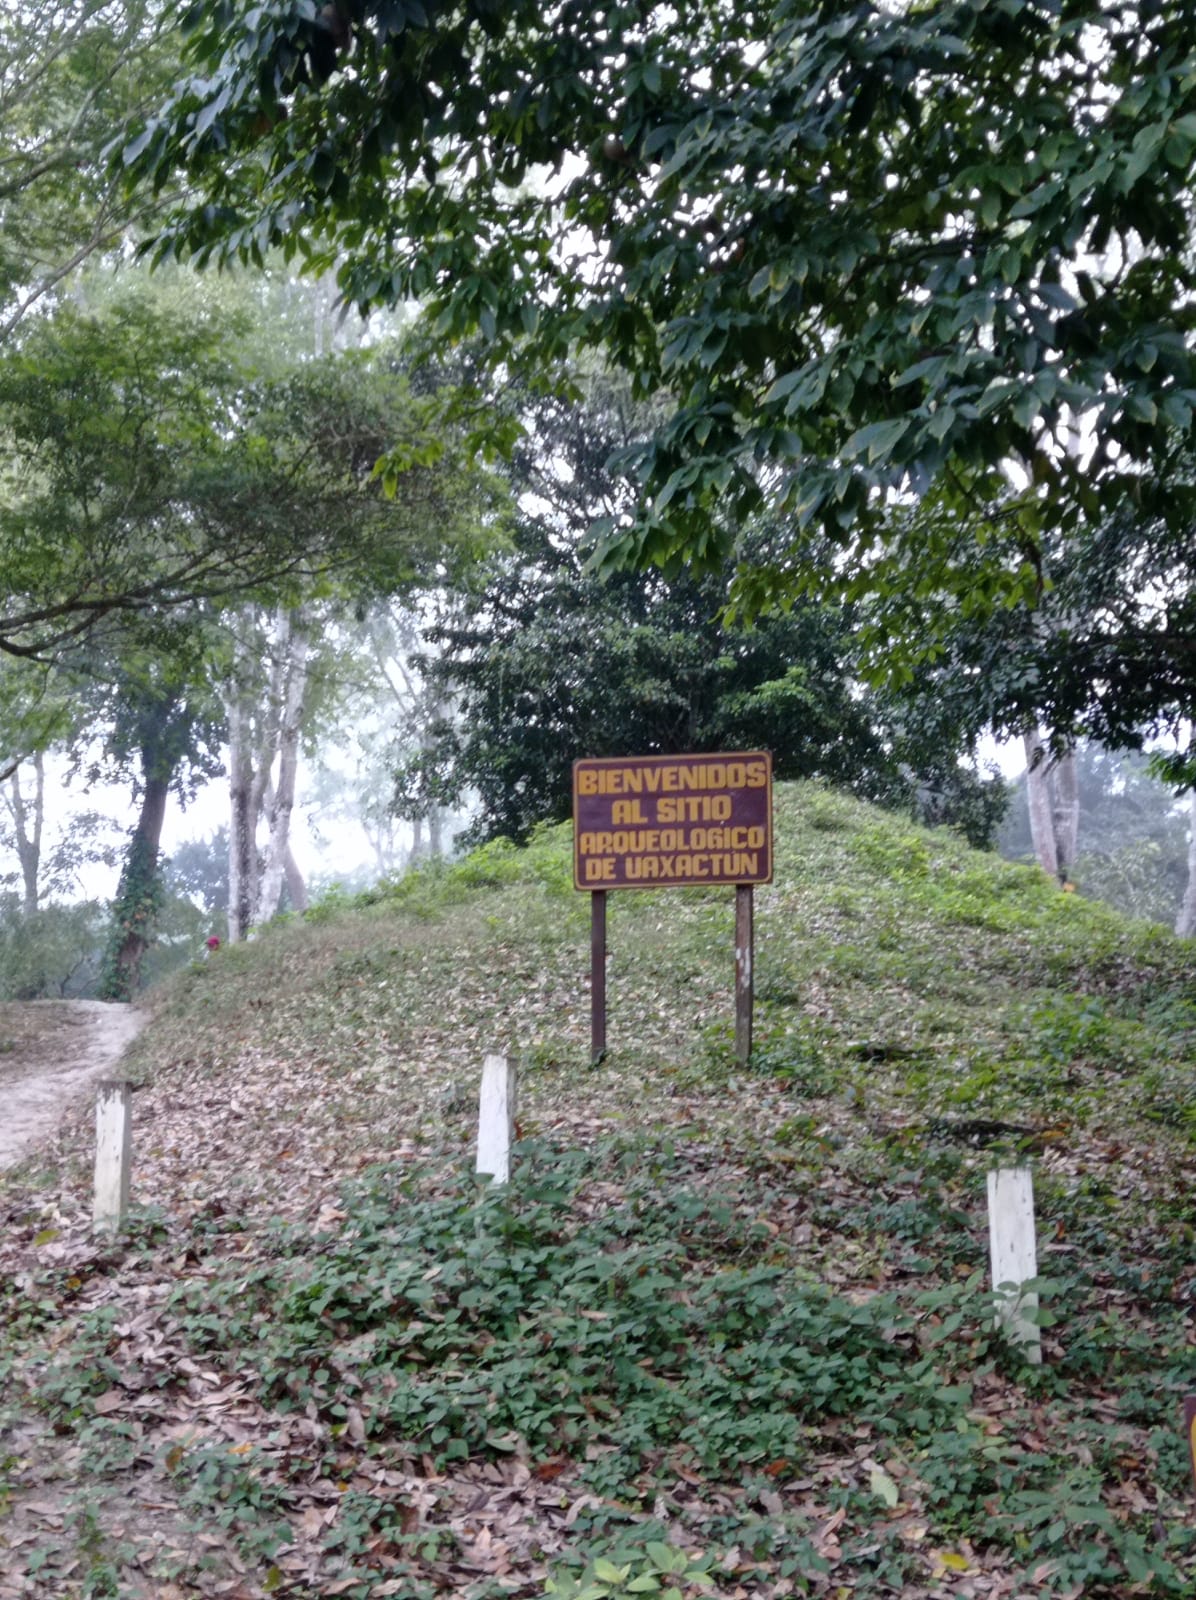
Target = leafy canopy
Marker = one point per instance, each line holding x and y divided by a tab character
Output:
70	70
148	468
542	662
866	250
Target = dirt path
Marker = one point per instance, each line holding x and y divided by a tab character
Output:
50	1050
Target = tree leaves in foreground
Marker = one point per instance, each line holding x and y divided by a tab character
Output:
863	249
70	71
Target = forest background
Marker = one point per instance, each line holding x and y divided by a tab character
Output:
426	536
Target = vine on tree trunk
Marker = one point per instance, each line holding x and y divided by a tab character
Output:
134	915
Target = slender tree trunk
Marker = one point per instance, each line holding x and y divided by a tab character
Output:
242	827
1065	811
280	797
28	839
296	884
1053	795
1185	923
1038	794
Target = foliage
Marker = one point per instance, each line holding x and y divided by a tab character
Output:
660	1571
198	870
139	898
537	661
1100	656
51	954
735	1316
150	470
70	71
1133	835
543	664
862	249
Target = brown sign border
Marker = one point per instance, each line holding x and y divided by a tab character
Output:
592	763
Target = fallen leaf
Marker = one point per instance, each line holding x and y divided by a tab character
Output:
884	1488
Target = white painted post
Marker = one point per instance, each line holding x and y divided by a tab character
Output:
114	1150
1014	1256
496	1118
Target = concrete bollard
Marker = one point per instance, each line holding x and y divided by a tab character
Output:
496	1118
1014	1255
114	1151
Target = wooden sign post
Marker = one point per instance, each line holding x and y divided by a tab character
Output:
597	976
1190	1427
744	955
658	822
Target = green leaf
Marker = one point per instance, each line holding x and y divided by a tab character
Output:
784	385
137	146
607	1572
941	422
876	440
931	367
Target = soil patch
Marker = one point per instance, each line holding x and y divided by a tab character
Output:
50	1050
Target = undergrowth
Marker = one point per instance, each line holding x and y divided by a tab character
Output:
728	1330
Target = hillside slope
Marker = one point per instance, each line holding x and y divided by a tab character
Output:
731	1321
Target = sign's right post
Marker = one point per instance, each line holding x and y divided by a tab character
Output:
744	956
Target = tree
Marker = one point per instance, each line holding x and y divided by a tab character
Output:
265	698
148	469
391	716
864	249
1185	921
159	484
51	851
542	662
1131	834
70	71
198	871
165	725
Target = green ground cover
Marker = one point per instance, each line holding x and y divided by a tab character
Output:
727	1333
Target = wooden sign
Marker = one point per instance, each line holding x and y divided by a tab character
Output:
660	822
673	822
1190	1427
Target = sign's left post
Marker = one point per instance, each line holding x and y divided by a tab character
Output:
597	976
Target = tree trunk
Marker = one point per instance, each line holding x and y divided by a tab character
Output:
1065	812
296	884
1038	794
242	830
137	894
1053	795
280	798
28	839
1185	923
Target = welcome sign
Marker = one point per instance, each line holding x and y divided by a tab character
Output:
654	822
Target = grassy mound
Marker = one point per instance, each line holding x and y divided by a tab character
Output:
726	1333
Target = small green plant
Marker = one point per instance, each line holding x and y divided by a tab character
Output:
661	1570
